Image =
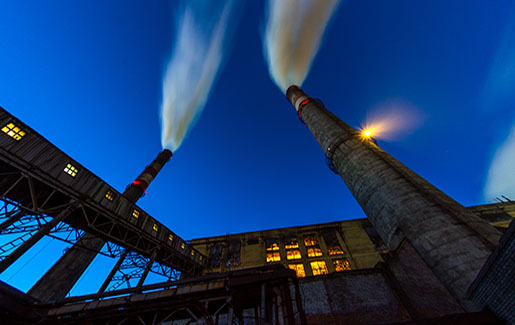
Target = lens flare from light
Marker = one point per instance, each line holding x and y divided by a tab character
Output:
367	133
392	120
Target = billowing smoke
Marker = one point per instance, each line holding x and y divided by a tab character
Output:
201	38
393	119
501	176
293	33
499	98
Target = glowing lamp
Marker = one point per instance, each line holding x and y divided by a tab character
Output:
367	133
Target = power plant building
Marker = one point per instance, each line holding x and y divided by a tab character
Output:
419	256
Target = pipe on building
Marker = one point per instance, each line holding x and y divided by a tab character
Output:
453	242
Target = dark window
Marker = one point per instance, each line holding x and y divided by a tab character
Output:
215	256
233	254
331	241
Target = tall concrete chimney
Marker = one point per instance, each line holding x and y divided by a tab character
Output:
63	275
400	204
137	188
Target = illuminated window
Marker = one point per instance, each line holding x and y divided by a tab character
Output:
200	257
192	252
293	254
299	269
319	267
273	257
341	265
182	246
155	227
272	245
170	237
71	170
291	243
314	252
333	246
13	131
135	214
310	240
109	196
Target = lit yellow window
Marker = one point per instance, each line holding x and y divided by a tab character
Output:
109	196
71	170
314	252
200	257
273	247
135	213
292	243
299	269
192	252
293	254
319	267
335	250
13	131
341	265
310	240
155	227
273	257
170	237
182	246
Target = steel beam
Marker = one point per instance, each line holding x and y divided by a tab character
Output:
45	229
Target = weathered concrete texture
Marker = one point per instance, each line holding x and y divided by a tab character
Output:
353	297
494	287
452	241
420	289
63	275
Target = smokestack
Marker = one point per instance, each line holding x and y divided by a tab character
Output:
137	188
454	242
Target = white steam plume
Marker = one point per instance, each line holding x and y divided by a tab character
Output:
294	30
501	176
197	56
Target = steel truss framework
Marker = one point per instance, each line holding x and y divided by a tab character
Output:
40	197
264	295
20	221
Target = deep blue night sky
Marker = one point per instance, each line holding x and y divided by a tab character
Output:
87	75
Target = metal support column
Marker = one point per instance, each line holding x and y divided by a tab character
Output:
147	269
12	219
113	272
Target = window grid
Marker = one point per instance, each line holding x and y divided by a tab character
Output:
273	257
319	267
13	131
110	196
293	254
341	265
71	170
135	213
299	269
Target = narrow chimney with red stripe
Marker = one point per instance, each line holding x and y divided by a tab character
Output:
138	187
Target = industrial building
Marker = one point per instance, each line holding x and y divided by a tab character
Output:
419	256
